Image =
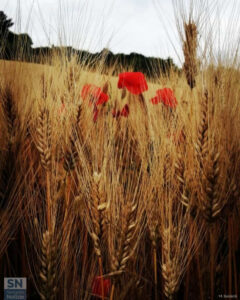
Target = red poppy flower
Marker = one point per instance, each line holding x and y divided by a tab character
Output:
125	111
134	82
97	288
166	96
94	93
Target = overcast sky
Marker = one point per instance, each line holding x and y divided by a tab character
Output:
142	26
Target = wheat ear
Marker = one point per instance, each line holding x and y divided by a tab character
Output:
179	170
44	138
98	231
43	145
190	53
119	261
9	112
202	138
48	273
170	271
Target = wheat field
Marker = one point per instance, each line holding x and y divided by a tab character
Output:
128	198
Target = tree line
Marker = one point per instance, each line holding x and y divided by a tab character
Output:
19	47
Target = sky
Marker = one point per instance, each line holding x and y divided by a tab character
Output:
123	26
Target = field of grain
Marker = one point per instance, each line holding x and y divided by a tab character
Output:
123	197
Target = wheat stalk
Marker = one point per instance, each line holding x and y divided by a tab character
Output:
126	246
128	234
9	112
190	53
43	145
48	273
211	200
70	157
44	139
97	211
180	169
202	138
170	270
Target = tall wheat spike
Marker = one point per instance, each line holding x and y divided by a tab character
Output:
190	53
153	220
44	138
70	157
48	272
98	229
212	202
10	111
180	169
43	145
202	138
119	261
170	270
98	214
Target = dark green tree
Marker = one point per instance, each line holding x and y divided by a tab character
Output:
5	23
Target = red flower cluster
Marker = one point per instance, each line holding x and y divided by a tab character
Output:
94	93
166	96
123	113
97	289
95	96
134	82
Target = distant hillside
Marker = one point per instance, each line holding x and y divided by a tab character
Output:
106	59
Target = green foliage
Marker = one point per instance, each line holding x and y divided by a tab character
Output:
13	46
5	23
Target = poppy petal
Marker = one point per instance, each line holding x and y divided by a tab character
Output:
166	96
103	98
155	100
134	82
94	93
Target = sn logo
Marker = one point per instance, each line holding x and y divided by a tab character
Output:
15	283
